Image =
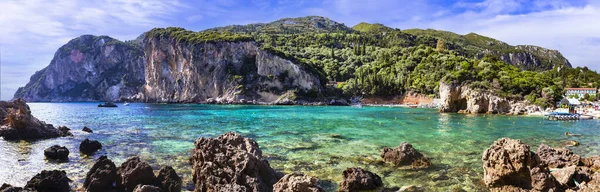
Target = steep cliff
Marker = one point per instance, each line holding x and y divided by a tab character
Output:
224	72
463	99
88	68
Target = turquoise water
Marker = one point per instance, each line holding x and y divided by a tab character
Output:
318	141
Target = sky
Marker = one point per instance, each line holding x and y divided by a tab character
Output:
32	30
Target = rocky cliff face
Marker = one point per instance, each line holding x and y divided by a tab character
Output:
224	72
528	57
161	69
462	99
88	68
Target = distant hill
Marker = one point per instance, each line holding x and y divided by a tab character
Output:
310	24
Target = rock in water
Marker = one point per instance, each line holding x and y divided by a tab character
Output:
405	155
506	163
50	181
168	180
101	176
86	129
9	188
357	179
146	188
57	153
18	123
64	131
231	163
297	183
88	147
557	158
134	172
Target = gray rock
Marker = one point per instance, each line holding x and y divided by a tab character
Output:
101	176
89	147
557	158
297	183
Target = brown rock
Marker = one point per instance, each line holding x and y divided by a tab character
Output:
542	180
592	162
231	163
297	183
508	188
134	172
168	180
357	179
146	188
18	123
405	155
50	181
557	158
567	176
101	176
506	163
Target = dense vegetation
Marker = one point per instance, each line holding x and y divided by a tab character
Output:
372	59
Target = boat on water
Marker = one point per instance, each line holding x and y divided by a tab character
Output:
126	104
107	104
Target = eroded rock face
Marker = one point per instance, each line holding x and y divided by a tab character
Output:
557	158
297	183
358	179
507	162
18	123
168	180
231	163
592	162
134	172
89	147
542	180
56	152
101	176
405	155
50	181
567	176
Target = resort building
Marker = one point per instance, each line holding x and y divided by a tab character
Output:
580	92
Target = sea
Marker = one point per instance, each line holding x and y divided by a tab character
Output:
320	141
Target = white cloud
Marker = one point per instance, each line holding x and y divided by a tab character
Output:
32	30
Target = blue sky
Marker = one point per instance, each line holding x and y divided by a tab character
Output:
32	30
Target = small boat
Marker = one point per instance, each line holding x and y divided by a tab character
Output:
107	104
126	104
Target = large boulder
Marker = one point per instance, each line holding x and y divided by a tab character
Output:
101	176
567	176
64	131
358	179
134	172
9	188
168	180
592	162
18	123
507	162
542	179
297	183
56	152
49	181
89	147
557	158
405	155
231	163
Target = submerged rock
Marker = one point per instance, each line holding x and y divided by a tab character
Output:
405	155
358	179
506	163
134	172
18	123
50	181
89	147
557	158
101	176
231	163
168	180
56	152
64	131
297	183
86	129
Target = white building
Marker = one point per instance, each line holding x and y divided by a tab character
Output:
580	92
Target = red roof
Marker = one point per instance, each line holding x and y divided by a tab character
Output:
580	89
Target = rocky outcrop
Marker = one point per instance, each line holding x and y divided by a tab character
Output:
18	123
455	98
405	155
132	173
146	188
231	163
358	179
89	147
529	57
49	181
164	69
64	131
510	166
9	188
87	129
297	183
88	68
168	180
56	152
101	176
557	158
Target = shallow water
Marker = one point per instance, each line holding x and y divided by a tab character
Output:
318	141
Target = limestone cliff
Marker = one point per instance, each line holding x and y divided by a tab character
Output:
88	68
463	99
